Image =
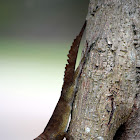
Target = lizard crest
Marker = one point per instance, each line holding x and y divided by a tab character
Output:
56	127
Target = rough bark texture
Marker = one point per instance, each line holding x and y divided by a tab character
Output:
108	92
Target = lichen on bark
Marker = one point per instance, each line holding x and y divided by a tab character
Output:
109	84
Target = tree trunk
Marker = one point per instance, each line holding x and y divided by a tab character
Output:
108	91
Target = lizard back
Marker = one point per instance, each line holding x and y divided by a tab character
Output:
57	124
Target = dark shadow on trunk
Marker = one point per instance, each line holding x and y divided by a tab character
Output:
119	132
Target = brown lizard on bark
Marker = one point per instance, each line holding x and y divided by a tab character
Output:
56	127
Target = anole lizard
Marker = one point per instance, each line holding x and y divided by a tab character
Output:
56	127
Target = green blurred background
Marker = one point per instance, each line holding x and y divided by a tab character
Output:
35	36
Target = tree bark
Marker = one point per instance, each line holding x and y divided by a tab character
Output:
108	91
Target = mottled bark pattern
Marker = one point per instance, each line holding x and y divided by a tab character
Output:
132	126
109	85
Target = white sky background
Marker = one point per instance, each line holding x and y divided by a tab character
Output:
28	95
